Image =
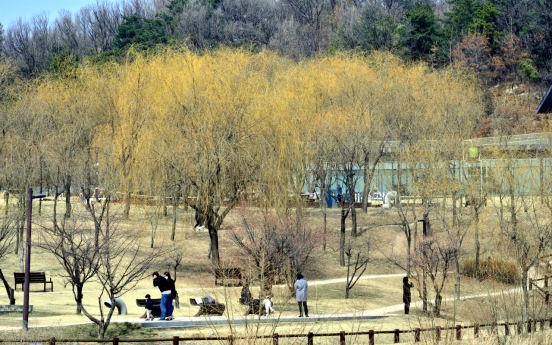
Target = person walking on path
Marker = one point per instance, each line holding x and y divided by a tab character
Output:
149	307
407	296
301	296
199	221
163	284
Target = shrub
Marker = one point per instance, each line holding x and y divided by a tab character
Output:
499	270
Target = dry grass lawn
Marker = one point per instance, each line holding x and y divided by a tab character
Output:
195	279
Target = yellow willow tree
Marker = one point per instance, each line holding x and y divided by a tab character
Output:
222	114
129	94
70	126
429	114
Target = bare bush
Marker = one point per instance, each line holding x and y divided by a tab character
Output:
277	246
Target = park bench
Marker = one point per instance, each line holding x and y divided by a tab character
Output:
224	274
156	309
208	306
35	277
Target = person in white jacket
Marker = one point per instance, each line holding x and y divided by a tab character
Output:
267	303
301	295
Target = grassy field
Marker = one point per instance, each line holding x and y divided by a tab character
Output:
54	312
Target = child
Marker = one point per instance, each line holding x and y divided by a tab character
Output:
149	307
267	303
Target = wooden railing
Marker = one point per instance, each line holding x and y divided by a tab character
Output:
530	326
543	292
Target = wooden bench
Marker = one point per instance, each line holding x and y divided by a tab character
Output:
156	308
228	273
206	308
35	277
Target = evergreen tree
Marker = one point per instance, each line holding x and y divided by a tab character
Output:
142	32
461	18
425	33
485	22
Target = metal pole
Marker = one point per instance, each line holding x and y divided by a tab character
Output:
27	261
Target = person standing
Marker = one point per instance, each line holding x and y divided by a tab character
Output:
163	284
170	306
245	296
301	295
407	296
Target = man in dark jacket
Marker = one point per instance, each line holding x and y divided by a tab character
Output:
407	297
164	286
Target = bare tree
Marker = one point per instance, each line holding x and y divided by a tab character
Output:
76	248
433	259
359	265
8	233
117	261
99	23
276	246
30	43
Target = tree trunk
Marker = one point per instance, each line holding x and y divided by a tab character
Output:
342	238
78	299
68	197
126	211
324	209
6	200
457	263
408	251
175	208
101	330
214	248
365	193
437	306
353	220
325	227
525	304
477	244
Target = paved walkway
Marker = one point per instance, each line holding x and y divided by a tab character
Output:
210	320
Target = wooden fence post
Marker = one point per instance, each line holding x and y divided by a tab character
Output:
529	322
310	338
275	339
547	297
458	332
476	331
396	339
417	335
52	341
519	328
493	328
506	329
342	338
175	340
371	336
542	324
546	281
230	340
530	284
550	323
437	333
115	341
